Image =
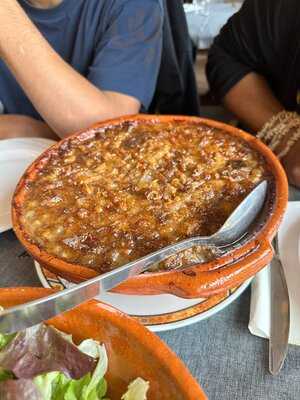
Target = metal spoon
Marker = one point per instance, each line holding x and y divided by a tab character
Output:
29	314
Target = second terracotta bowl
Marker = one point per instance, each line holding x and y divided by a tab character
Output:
201	280
132	350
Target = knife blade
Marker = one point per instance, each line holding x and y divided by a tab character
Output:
280	314
29	314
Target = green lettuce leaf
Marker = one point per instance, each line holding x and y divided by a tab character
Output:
95	350
56	386
4	375
5	339
137	390
47	383
77	390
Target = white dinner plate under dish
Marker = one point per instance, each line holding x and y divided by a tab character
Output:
15	156
157	312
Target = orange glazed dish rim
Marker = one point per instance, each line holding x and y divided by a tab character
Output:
200	280
95	311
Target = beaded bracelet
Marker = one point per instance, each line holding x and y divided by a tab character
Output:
290	143
277	128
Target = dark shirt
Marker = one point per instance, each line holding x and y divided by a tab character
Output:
176	91
115	44
263	37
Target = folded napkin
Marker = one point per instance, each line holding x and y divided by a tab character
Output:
289	250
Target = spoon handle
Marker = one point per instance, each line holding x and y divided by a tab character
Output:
23	316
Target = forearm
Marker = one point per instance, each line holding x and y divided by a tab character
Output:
252	101
12	126
65	99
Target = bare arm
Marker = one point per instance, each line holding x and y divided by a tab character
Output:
12	126
252	101
65	99
249	42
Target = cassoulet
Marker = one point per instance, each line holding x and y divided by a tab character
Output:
124	191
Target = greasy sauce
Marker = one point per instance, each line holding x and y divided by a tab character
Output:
137	187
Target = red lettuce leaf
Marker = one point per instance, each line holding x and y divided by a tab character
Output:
21	389
42	349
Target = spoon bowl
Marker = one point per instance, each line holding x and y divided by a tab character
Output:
238	223
234	228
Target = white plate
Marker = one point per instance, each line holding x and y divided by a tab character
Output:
159	312
15	156
288	242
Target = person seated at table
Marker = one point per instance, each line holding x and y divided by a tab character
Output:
254	67
176	89
66	64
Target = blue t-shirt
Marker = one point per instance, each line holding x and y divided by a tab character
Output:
115	44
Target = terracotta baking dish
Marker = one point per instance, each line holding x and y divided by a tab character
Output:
202	280
133	351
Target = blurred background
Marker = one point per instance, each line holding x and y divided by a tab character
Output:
205	18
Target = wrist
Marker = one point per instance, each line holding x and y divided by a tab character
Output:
12	126
291	164
281	132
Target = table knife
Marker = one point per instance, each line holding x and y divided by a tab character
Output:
29	314
280	314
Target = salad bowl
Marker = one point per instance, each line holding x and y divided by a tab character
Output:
132	350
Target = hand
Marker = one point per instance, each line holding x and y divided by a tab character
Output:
291	163
12	126
282	134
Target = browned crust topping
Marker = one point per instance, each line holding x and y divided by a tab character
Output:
137	187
